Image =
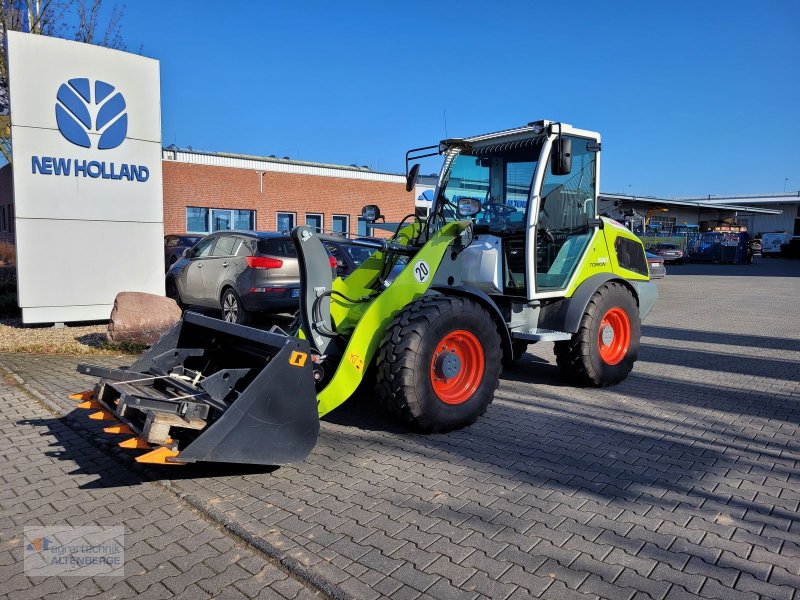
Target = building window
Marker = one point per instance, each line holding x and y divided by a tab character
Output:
205	220
2	218
341	224
285	221
244	220
196	220
314	221
364	228
220	220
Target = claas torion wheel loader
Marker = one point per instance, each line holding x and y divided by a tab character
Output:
512	253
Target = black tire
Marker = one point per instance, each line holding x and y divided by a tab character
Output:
580	359
233	310
407	352
172	292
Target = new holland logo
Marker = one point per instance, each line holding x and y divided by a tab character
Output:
82	108
79	112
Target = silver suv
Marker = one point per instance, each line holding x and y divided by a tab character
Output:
239	272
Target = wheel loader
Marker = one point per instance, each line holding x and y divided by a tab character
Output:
512	253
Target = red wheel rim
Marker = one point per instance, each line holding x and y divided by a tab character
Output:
614	336
457	367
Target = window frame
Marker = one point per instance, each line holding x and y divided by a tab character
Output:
321	216
346	218
278	214
207	217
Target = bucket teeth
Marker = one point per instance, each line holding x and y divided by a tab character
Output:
87	395
135	443
159	456
118	429
90	404
102	415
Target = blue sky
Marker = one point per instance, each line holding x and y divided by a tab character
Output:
692	98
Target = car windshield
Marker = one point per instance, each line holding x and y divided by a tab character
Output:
501	183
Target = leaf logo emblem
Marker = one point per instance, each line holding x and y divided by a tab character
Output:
78	114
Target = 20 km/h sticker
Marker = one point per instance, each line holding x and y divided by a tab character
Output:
421	271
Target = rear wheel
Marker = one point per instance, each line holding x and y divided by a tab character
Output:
606	345
438	365
232	309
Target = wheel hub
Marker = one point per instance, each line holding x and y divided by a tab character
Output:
607	335
447	364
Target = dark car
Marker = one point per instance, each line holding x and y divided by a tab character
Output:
656	265
238	272
350	256
670	253
174	245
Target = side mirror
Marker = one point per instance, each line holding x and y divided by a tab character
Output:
187	252
371	213
561	156
411	177
468	207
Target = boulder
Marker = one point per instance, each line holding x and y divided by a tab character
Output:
140	318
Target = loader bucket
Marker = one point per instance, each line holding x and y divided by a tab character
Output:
209	390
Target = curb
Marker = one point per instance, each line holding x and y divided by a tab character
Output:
289	564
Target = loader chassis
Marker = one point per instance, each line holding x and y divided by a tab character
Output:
512	253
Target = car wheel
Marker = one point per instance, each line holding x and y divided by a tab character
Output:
233	310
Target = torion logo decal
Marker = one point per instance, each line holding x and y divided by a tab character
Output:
80	112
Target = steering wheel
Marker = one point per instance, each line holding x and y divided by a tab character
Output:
501	210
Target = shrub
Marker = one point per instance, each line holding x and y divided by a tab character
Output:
8	253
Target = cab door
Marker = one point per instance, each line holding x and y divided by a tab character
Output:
563	230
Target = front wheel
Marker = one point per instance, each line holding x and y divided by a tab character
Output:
232	309
438	365
604	348
172	292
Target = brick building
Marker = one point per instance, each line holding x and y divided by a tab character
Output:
205	192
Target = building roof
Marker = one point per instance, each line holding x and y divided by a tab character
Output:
275	164
697	203
781	198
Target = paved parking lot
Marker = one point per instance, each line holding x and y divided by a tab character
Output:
683	481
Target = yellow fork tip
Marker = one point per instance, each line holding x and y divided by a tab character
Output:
89	404
159	456
118	429
102	415
87	395
135	443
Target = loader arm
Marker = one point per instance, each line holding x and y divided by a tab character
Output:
366	322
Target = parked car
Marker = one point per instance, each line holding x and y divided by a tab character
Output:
349	257
174	245
239	272
656	265
771	243
755	246
670	253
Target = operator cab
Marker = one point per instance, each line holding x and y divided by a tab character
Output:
537	190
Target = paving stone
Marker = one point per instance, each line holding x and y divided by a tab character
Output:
679	480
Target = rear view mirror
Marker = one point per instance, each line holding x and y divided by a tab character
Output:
468	207
371	213
411	177
561	156
187	252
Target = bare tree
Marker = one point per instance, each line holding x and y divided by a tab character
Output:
76	19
